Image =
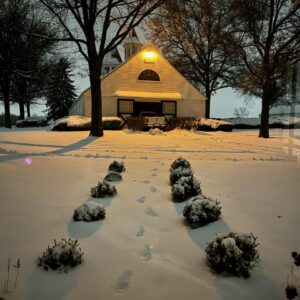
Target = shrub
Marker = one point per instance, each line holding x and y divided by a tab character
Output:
116	166
296	257
291	290
113	177
89	211
185	188
233	253
180	162
111	123
203	124
179	172
102	190
63	255
201	210
181	122
136	123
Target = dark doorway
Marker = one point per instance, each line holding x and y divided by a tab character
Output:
147	106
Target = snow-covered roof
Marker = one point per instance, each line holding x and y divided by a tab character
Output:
135	94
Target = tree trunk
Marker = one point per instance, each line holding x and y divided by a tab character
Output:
28	109
22	110
96	114
207	106
264	118
5	91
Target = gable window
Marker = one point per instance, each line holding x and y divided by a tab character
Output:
149	75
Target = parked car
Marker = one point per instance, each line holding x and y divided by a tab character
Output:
152	120
32	122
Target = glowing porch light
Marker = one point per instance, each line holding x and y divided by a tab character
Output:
149	57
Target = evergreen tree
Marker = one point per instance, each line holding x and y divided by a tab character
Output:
61	91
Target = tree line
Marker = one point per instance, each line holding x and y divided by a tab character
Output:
30	67
250	45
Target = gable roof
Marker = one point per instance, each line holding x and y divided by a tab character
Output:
148	46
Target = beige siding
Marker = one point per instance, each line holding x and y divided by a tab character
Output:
125	78
77	107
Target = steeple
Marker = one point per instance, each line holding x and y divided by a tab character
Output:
111	61
132	44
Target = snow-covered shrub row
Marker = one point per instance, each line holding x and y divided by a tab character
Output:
73	123
185	187
233	253
116	166
63	255
201	210
175	174
89	211
113	177
102	190
204	124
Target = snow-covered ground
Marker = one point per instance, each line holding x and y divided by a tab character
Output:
143	249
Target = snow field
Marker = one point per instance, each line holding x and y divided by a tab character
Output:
142	249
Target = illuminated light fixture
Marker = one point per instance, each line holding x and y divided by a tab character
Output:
149	57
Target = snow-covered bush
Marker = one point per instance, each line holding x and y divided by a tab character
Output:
155	131
73	123
180	162
296	257
175	174
291	290
201	210
204	124
185	187
233	253
116	166
63	255
89	211
113	177
102	190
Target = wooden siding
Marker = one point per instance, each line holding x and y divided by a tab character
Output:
125	77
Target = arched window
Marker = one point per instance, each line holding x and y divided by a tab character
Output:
149	75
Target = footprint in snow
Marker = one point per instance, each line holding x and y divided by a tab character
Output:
153	189
122	284
146	181
151	212
141	199
145	253
140	232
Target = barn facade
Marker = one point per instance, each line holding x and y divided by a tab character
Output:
145	82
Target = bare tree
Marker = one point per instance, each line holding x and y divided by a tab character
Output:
196	36
97	27
270	30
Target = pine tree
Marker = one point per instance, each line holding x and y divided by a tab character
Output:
61	91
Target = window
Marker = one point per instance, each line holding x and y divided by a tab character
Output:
149	75
169	108
125	106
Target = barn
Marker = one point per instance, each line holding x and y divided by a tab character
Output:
144	82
